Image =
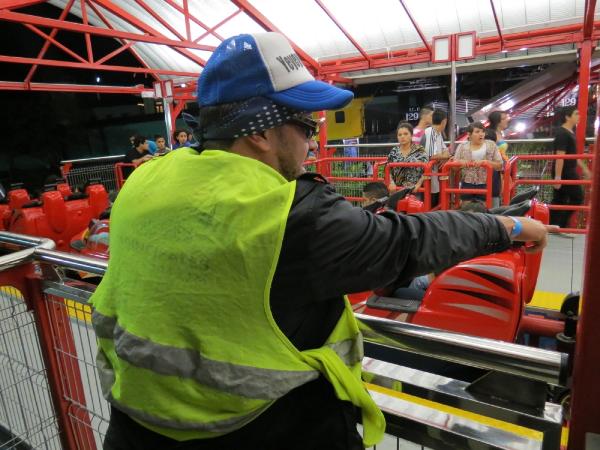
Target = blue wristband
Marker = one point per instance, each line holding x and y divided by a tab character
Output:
516	231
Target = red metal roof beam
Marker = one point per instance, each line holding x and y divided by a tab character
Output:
114	53
88	40
186	17
112	33
259	18
13	4
343	30
416	26
46	45
59	87
43	35
588	19
123	42
497	25
142	26
160	19
212	30
95	66
193	18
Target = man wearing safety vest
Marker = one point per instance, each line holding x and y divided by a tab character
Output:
240	336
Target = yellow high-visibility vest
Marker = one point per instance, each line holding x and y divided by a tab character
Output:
188	346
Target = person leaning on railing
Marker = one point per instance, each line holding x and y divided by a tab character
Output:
243	338
472	154
139	153
406	152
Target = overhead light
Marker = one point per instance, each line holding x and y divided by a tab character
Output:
507	105
504	51
520	127
182	85
98	80
522	49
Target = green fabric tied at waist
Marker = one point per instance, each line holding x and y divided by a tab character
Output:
349	387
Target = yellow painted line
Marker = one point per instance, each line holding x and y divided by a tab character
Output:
12	291
79	311
564	437
74	309
547	300
495	423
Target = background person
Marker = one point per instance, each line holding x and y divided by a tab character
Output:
472	154
161	145
181	139
139	153
244	339
433	143
566	169
498	122
375	196
406	152
424	121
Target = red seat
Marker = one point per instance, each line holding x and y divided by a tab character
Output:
17	198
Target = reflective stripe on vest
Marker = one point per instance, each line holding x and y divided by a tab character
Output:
107	379
247	381
251	382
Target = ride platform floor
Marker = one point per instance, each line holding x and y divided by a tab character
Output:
561	271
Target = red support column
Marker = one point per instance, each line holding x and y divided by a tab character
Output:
175	111
585	405
323	168
585	59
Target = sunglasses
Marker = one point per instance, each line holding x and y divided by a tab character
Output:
308	125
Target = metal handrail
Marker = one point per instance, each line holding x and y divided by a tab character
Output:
70	261
534	363
26	255
95	159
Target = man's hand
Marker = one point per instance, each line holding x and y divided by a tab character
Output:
534	232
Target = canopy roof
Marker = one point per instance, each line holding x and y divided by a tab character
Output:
339	40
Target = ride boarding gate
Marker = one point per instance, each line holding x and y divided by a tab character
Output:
437	389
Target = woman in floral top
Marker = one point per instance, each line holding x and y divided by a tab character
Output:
473	153
410	153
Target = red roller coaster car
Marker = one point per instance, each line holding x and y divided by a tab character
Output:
484	296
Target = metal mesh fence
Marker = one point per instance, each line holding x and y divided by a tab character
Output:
27	419
534	170
89	413
105	173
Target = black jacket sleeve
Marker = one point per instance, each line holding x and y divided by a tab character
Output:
340	249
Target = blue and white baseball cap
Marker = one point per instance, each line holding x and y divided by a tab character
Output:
264	64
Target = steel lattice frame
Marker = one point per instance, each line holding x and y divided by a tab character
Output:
329	70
